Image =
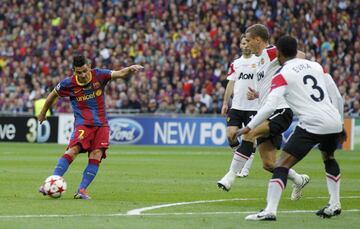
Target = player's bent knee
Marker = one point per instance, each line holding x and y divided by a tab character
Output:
96	154
248	137
232	139
231	134
286	160
268	166
259	131
73	151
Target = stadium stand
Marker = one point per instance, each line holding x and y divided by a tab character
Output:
185	46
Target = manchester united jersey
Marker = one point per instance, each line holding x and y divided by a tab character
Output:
87	101
268	65
303	84
243	72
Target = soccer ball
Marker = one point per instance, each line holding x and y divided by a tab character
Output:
55	186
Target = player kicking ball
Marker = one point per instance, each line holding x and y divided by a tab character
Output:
86	89
316	101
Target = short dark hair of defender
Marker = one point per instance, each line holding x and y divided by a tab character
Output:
259	30
287	45
79	61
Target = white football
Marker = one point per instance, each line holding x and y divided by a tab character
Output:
55	186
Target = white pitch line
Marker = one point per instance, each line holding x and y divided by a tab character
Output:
41	216
243	212
158	214
139	211
326	197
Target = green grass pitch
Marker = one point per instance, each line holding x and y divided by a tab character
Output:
134	177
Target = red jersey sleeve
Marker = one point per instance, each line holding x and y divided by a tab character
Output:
63	89
103	75
272	53
278	81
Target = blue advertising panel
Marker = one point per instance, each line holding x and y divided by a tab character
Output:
158	130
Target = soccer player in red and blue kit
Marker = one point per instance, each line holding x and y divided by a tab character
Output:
91	131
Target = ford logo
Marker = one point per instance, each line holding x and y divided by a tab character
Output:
125	131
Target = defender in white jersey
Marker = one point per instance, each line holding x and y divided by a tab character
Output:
269	134
281	119
241	75
312	95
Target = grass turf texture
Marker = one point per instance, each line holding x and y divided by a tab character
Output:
136	177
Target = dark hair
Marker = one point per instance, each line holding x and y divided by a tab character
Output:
259	30
287	45
79	61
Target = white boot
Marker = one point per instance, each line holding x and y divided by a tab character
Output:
227	181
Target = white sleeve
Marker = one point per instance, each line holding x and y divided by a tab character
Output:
334	94
268	108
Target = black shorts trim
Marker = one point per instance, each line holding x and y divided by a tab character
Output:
302	141
279	122
239	118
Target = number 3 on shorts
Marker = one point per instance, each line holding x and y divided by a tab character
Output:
81	135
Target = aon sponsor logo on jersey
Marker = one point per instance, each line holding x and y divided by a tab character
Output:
245	76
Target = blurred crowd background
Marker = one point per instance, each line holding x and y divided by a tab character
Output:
186	47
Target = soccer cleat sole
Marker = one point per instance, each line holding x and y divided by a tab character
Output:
322	213
336	213
261	218
269	219
222	187
78	196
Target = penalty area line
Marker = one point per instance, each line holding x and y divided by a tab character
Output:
139	211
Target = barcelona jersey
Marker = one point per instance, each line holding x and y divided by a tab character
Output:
87	101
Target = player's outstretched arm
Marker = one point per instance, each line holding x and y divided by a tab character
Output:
266	110
126	71
49	101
